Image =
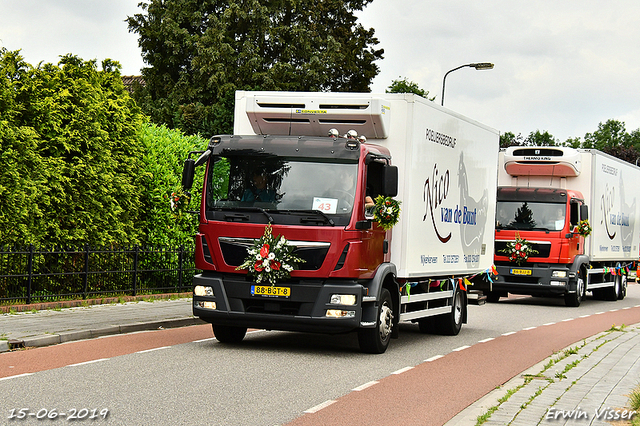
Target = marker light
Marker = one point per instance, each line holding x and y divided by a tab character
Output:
559	274
343	299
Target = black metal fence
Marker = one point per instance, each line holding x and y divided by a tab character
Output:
33	274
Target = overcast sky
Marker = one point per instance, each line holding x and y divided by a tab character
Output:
560	65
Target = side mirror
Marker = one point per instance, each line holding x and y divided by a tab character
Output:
187	173
584	212
389	181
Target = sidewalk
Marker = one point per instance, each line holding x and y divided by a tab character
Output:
586	384
58	326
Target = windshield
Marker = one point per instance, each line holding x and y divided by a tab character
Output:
530	215
282	185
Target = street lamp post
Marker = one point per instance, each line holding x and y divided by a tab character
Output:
478	66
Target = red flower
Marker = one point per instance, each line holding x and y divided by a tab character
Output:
264	251
523	254
275	265
258	266
518	246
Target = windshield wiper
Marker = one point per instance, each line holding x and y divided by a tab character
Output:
325	218
253	209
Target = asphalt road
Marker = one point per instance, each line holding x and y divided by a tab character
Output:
185	377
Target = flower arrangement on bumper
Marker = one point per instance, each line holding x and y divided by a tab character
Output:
583	228
519	251
386	212
270	258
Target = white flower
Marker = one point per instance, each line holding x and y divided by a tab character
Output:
272	256
267	269
258	257
265	263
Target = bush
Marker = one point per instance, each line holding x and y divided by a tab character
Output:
71	159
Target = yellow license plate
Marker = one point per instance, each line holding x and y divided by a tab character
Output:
521	271
267	290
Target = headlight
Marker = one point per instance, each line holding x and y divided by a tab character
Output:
343	299
559	274
201	290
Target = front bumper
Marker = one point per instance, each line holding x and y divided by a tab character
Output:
536	280
305	309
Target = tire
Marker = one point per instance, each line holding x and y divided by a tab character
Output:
613	293
376	340
573	299
228	333
451	323
623	287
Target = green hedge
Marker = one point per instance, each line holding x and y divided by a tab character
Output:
78	162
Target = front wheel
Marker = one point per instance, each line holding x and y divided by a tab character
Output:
376	340
574	299
229	334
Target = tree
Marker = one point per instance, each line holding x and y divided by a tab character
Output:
538	138
609	135
200	51
508	139
406	86
70	159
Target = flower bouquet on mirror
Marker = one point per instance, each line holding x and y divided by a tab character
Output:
270	259
386	212
583	228
179	200
519	251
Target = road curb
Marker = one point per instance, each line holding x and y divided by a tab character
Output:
54	339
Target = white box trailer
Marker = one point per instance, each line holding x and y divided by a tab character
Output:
584	177
357	275
446	164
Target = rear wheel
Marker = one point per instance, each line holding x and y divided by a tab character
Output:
228	333
613	293
451	323
376	340
623	287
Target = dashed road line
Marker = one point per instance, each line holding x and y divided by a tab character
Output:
151	350
486	340
509	333
402	370
320	406
461	348
88	362
529	328
366	385
433	358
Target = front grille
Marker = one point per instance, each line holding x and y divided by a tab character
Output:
234	252
543	248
